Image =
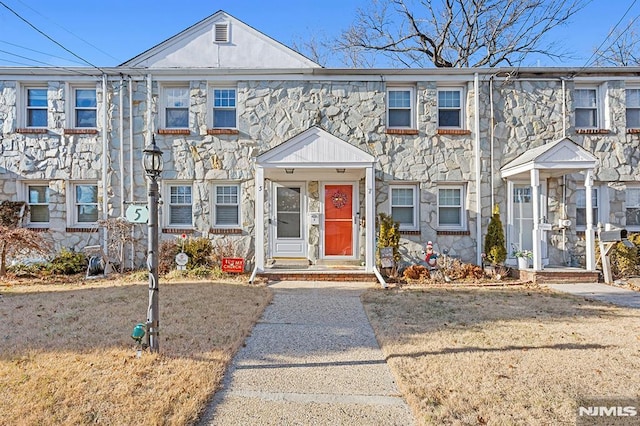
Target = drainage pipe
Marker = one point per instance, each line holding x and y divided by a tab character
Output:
476	89
105	155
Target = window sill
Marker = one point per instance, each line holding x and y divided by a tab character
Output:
34	130
593	131
401	131
223	131
409	232
82	229
174	131
225	231
38	228
633	131
76	131
454	132
461	232
177	231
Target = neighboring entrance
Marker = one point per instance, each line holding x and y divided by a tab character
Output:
521	219
339	218
288	223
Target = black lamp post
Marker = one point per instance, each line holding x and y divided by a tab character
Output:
152	162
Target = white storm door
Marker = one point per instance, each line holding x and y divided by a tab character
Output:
520	229
287	223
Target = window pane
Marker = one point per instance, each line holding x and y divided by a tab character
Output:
180	215
85	118
404	215
633	98
39	213
226	195
449	118
633	216
449	197
180	195
632	197
227	215
402	197
449	99
37	97
87	213
177	97
633	118
38	194
400	99
177	117
449	216
586	118
37	118
224	118
86	194
585	98
225	98
399	118
86	98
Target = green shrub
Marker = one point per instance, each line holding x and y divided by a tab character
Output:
494	245
68	262
199	251
388	235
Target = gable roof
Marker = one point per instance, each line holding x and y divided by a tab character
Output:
315	147
244	48
555	158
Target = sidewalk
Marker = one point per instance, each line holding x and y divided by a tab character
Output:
311	359
602	292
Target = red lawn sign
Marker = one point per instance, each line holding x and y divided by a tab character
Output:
233	264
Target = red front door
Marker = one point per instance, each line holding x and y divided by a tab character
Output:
338	220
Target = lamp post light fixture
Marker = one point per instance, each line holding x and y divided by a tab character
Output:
152	163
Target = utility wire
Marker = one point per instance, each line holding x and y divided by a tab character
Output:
40	52
47	36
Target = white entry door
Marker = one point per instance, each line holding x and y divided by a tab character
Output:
520	222
287	221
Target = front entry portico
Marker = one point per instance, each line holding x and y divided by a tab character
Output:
526	173
309	201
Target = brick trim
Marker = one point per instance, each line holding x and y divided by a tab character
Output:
633	131
80	131
223	131
227	231
38	229
177	231
174	131
401	131
454	132
29	130
82	229
593	131
453	232
409	232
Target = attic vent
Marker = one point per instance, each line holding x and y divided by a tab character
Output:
221	33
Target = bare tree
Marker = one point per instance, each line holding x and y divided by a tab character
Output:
458	33
624	50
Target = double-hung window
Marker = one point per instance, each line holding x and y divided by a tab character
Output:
633	108
224	108
84	105
176	112
586	108
450	108
180	205
38	200
36	107
581	207
227	205
400	108
404	206
632	208
451	207
86	203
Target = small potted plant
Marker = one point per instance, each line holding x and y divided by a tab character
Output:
523	257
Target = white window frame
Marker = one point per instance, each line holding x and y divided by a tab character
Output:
72	204
627	204
635	108
25	102
460	109
238	204
165	104
167	202
412	106
601	106
462	226
212	106
597	193
73	108
25	186
414	225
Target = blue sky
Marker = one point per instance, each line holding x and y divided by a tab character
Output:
120	29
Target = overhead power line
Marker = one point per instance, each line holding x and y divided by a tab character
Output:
40	52
47	36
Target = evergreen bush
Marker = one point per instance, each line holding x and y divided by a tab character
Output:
494	243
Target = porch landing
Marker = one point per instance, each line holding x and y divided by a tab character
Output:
557	275
300	270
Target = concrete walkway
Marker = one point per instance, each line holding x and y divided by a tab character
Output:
602	292
312	359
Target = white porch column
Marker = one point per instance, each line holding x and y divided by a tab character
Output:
370	219
589	232
537	236
259	218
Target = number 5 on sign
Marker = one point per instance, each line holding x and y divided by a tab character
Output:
137	214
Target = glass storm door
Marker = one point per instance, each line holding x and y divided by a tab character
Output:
522	235
338	220
288	223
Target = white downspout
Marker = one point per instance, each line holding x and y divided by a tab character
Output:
131	169
105	155
564	109
149	108
492	142
121	135
476	88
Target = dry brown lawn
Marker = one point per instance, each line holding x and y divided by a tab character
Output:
66	355
504	355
